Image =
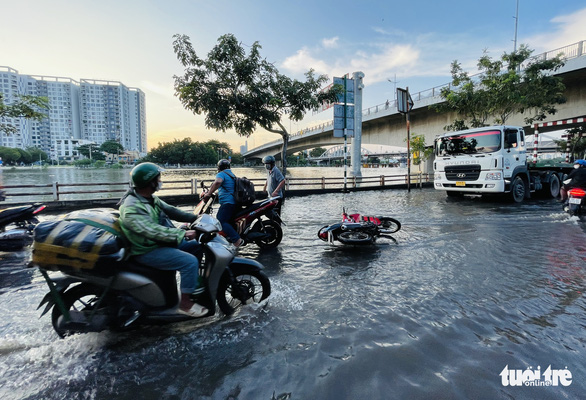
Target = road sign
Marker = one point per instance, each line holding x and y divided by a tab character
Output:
404	101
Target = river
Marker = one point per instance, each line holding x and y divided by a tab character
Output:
466	289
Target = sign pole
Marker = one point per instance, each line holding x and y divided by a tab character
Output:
408	152
345	138
404	106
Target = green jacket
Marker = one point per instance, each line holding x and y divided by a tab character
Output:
147	226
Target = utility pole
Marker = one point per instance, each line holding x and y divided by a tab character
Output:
516	23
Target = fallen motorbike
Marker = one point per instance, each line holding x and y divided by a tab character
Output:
358	230
118	295
258	223
16	226
576	204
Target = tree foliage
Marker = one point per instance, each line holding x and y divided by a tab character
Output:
419	151
26	106
317	151
577	142
85	149
111	147
514	84
186	151
241	91
13	156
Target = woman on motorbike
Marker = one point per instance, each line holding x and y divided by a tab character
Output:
577	179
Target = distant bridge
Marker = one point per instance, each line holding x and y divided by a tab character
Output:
337	153
384	125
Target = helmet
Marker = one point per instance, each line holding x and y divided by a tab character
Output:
268	160
223	164
581	162
143	173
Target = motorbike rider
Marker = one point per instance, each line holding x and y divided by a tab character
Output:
155	241
577	179
224	183
275	180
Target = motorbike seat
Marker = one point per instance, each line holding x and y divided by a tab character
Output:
7	215
250	208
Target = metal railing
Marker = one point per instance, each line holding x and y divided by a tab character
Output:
107	190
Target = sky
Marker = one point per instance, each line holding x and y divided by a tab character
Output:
394	43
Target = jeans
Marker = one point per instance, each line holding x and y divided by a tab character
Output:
225	214
184	258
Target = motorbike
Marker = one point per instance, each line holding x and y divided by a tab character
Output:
356	229
120	294
258	223
17	225
576	204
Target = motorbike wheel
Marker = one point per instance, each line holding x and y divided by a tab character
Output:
81	298
244	288
273	229
355	237
389	225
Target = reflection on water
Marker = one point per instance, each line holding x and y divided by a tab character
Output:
465	288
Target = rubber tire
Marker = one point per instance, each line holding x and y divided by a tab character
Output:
248	280
271	227
390	223
354	238
553	187
518	190
88	293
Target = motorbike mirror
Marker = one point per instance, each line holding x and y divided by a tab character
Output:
202	184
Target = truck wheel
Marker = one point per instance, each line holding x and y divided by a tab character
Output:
450	193
518	190
553	188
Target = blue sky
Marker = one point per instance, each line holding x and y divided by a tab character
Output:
413	42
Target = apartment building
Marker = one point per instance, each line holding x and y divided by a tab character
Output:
81	112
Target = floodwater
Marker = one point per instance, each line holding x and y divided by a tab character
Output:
466	289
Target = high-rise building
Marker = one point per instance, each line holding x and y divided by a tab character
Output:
88	111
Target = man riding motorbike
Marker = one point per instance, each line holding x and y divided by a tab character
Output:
155	241
225	181
577	179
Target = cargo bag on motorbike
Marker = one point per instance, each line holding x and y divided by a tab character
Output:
80	240
244	191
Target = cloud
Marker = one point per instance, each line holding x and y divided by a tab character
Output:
570	28
331	43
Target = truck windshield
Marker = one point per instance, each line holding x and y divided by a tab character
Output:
472	143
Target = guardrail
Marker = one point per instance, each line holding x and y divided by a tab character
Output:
107	190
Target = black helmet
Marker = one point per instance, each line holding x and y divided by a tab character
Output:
268	160
223	164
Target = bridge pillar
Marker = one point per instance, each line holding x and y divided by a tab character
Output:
355	157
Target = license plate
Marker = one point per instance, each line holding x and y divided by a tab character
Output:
460	183
573	200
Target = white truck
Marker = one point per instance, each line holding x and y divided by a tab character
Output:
493	160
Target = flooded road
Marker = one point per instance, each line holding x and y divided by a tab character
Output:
466	289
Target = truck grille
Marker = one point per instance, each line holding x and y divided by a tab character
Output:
462	172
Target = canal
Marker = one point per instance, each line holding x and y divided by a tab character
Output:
466	289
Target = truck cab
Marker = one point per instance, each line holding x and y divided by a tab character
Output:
486	160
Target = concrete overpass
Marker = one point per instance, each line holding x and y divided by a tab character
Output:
383	125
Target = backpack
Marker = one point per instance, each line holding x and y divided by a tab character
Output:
244	193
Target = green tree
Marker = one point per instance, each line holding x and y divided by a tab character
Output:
23	107
111	147
85	149
239	91
419	151
317	151
37	154
577	142
515	84
9	155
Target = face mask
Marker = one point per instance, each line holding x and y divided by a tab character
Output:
576	166
159	186
268	166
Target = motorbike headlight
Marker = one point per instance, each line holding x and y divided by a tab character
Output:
494	176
